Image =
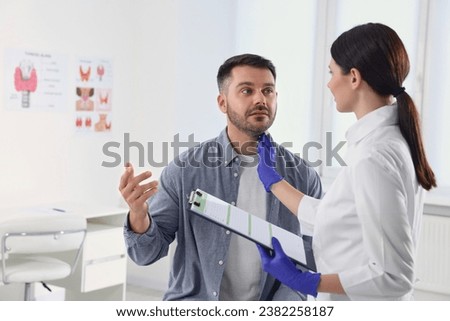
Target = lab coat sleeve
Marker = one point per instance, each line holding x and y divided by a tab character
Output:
380	201
306	213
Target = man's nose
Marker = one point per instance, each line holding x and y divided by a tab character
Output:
260	98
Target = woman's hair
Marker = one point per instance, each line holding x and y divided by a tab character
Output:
378	53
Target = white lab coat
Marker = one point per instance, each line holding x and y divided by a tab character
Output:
367	225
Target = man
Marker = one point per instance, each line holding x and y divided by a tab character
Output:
210	262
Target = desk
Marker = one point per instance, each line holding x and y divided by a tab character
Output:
101	270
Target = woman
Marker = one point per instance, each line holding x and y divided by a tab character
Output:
366	228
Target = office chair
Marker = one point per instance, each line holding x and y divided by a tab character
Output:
39	248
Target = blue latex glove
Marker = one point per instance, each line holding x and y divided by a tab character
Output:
266	166
283	269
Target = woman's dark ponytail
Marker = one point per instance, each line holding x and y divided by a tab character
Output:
409	124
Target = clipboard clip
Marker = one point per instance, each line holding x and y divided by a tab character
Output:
193	196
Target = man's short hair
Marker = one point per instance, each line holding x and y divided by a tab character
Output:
242	60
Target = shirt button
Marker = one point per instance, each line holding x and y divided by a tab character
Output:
227	232
215	293
220	262
233	203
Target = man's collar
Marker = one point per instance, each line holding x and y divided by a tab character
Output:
228	150
229	153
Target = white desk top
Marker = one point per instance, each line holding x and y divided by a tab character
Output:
89	210
85	210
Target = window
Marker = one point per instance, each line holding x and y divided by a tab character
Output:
436	99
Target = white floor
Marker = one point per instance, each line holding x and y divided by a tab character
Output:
136	293
429	296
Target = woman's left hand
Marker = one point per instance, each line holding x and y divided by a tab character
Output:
280	266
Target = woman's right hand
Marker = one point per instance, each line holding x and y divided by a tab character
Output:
267	166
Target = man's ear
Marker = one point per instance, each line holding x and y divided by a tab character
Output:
222	102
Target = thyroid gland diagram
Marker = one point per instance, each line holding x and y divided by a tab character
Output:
85	75
100	72
25	81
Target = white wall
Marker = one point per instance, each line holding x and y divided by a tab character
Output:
42	157
279	31
205	39
165	57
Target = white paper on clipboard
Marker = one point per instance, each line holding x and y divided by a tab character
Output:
249	226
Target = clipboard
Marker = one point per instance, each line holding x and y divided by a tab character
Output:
251	227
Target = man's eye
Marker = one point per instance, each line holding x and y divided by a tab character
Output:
268	91
246	91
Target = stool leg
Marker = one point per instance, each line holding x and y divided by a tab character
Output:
27	296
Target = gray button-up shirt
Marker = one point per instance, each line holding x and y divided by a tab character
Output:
202	246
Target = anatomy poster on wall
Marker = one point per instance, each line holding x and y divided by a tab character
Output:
93	95
35	80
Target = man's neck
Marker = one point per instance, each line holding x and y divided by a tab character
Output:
243	143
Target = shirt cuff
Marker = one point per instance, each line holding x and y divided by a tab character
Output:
133	236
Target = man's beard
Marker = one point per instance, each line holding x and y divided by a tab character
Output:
243	125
